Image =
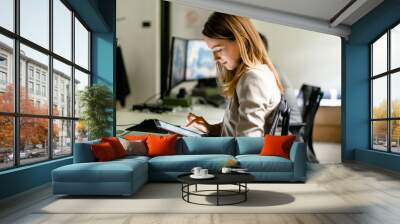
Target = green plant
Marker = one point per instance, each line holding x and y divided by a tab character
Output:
96	103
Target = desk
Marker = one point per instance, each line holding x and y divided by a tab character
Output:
127	118
327	124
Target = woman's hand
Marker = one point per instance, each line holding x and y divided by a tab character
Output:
198	122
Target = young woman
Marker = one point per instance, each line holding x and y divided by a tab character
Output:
246	75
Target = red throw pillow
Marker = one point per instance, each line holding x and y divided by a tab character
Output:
103	152
277	145
135	137
116	145
159	145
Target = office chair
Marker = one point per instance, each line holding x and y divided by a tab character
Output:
282	113
309	98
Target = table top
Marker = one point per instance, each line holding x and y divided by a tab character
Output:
220	178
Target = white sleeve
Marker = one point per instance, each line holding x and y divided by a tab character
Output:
256	94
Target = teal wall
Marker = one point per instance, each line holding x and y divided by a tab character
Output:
100	16
355	82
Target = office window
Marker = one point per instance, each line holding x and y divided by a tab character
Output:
33	140
62	137
6	142
81	81
81	45
395	47
45	131
385	94
62	31
7	14
35	21
7	85
62	74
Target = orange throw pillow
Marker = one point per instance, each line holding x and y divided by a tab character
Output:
116	145
277	145
159	145
103	152
135	137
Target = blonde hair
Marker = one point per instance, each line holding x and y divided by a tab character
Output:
251	48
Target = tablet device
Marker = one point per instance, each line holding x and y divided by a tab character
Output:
176	129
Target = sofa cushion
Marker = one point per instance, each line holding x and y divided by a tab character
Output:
135	137
116	145
257	163
160	145
112	171
103	152
134	147
206	145
249	145
185	163
277	145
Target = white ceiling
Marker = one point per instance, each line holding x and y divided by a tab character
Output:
314	15
319	9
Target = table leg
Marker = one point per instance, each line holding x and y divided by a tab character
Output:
196	188
245	193
217	194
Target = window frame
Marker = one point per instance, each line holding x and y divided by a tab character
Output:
16	114
388	74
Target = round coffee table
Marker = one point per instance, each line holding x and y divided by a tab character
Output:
238	179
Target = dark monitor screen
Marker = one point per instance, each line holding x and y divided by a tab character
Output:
200	62
178	57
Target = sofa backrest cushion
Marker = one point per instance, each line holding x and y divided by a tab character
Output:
104	152
249	145
83	152
206	145
161	145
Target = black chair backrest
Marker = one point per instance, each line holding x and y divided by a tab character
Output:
282	112
309	98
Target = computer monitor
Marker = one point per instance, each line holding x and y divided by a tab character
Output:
178	62
200	62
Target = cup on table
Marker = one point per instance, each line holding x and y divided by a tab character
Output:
226	170
203	172
196	170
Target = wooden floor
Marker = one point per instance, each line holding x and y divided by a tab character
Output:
377	188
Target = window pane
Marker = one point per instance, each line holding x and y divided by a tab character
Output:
81	45
35	21
81	81
62	138
395	94
62	29
395	47
7	14
6	142
33	139
6	74
379	98
81	131
379	55
62	89
379	135
34	97
395	138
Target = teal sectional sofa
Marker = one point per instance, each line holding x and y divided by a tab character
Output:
125	176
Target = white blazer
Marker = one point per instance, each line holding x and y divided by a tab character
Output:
249	111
